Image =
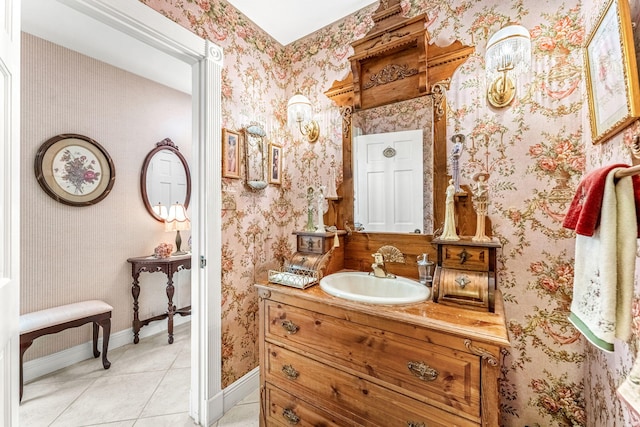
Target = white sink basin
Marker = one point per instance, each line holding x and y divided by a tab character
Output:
362	287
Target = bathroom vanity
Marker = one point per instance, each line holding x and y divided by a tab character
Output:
327	361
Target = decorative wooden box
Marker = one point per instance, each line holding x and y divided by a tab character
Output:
314	243
314	252
465	273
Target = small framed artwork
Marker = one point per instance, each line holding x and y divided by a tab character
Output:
612	72
74	170
275	164
230	154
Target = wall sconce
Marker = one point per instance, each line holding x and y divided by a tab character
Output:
508	55
299	110
177	220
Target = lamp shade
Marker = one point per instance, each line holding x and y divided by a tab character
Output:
160	210
509	47
299	109
177	218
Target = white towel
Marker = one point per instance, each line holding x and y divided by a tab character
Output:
629	389
605	269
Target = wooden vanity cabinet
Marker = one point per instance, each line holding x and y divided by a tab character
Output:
331	362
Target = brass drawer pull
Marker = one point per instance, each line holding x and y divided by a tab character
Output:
414	424
462	281
290	416
290	327
422	371
464	256
290	372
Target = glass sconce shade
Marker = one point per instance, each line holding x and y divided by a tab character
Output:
300	111
508	55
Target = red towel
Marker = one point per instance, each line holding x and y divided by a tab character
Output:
584	212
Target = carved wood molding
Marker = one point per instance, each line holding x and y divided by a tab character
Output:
387	37
388	74
479	351
346	112
439	91
264	294
405	40
386	10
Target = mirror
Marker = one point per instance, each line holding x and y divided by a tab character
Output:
255	167
383	149
165	178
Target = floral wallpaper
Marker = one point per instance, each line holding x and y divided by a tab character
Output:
535	152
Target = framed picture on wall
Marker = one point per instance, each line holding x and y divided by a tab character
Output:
230	154
613	91
74	169
275	164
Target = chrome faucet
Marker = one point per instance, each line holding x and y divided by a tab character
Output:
378	267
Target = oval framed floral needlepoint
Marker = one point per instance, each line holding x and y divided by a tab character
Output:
74	170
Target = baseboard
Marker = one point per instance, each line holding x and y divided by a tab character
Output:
219	404
45	365
241	388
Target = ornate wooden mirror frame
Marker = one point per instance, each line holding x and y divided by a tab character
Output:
395	62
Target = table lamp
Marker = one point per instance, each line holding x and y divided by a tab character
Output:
160	210
177	220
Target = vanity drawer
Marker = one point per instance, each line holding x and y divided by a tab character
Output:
462	287
286	410
354	398
474	258
428	372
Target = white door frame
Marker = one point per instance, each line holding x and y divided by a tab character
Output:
9	210
146	25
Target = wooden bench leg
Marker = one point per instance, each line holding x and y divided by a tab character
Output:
24	345
106	332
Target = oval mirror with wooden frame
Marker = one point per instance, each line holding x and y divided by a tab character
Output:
165	179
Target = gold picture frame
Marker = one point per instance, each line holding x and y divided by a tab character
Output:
74	169
613	91
230	154
275	164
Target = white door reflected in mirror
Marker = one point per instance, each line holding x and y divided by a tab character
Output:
166	179
389	186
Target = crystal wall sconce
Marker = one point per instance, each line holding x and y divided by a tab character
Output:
300	111
508	55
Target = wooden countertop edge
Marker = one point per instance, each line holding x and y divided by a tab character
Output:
494	331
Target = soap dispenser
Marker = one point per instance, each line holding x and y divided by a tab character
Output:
424	269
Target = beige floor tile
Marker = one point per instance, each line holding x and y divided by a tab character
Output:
147	386
171	396
146	356
43	402
128	423
247	415
253	397
183	360
89	368
111	398
173	420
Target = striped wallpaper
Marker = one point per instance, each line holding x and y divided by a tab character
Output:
71	254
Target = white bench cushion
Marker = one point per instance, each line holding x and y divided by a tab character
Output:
65	313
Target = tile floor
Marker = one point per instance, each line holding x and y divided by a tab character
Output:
146	386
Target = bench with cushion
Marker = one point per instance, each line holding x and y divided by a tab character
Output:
57	319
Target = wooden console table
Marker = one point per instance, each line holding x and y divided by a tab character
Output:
168	266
